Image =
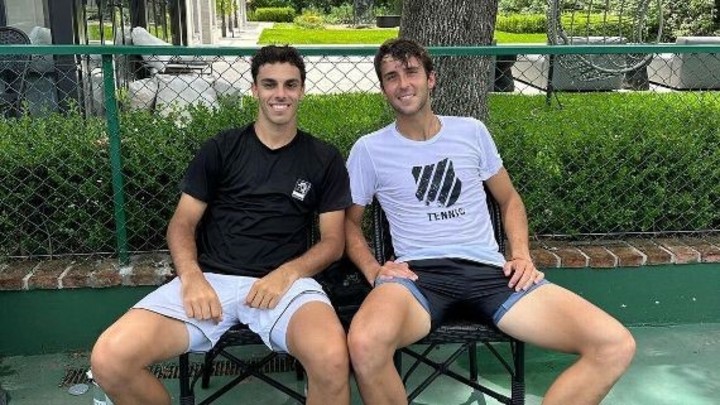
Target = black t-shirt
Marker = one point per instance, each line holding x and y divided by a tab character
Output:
260	202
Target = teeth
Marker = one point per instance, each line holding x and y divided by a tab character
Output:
280	107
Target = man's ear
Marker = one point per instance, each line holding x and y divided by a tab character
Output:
253	88
432	79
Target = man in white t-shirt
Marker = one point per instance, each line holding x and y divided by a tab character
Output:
427	172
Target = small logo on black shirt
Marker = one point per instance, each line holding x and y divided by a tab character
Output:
437	183
302	187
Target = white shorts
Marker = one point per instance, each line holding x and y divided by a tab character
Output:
270	324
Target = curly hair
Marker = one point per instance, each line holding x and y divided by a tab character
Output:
402	49
272	54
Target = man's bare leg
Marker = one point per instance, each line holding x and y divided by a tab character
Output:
389	318
555	318
317	339
121	355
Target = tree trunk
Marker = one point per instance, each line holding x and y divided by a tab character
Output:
462	81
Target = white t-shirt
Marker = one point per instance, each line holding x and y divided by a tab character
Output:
431	191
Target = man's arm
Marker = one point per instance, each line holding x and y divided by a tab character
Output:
360	253
515	222
267	291
199	298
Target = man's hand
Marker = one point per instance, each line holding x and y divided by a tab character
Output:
267	291
199	298
394	269
522	273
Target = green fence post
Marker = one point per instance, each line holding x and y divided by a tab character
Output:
113	126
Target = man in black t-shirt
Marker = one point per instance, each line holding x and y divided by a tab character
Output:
238	240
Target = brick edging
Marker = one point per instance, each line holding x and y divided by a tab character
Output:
156	268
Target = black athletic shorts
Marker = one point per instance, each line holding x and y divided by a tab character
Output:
459	286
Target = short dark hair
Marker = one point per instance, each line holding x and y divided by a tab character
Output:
271	54
402	49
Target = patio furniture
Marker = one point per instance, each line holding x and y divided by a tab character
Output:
13	69
346	287
175	65
619	23
687	71
572	72
41	91
458	330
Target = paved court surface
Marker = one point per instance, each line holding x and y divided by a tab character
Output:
674	365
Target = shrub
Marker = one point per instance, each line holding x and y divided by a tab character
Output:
596	24
603	163
322	5
578	24
256	4
342	14
275	14
640	162
687	18
521	23
310	20
522	6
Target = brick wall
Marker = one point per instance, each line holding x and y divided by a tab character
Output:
156	268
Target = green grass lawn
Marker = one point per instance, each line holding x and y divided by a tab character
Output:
514	38
288	34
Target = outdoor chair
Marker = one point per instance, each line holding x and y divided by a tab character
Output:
164	64
458	330
572	72
13	69
347	287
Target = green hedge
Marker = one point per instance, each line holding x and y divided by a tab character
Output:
681	18
614	162
603	163
274	14
521	23
581	24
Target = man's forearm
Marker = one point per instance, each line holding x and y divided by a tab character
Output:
315	260
359	252
183	249
516	228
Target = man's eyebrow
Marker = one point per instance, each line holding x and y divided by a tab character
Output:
268	81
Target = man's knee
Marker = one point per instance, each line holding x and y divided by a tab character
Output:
369	348
316	338
615	351
331	359
110	361
328	364
622	348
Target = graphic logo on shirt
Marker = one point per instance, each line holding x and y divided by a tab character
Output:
302	187
437	183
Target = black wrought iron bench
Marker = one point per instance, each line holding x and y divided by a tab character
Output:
349	286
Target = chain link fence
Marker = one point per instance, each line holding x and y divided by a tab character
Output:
91	157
